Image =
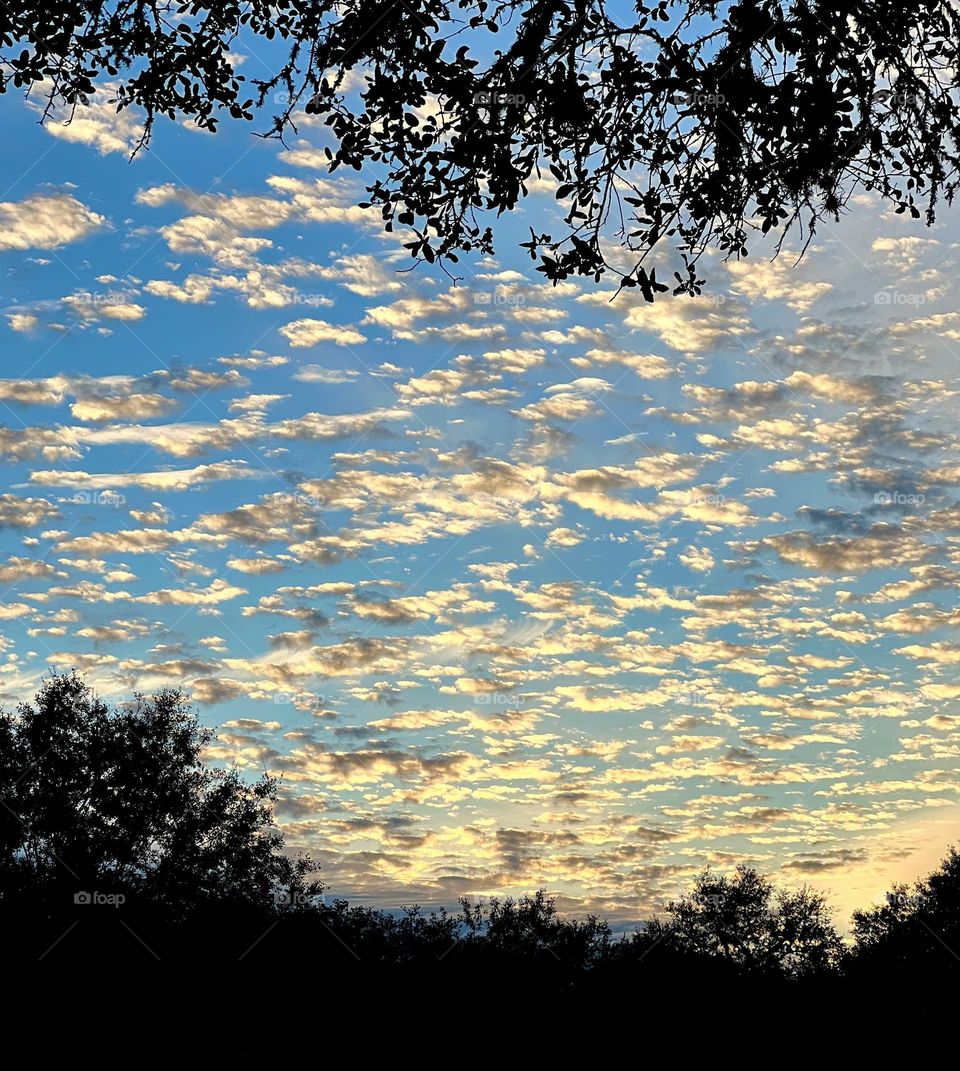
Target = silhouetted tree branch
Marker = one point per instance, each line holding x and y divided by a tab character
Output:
683	125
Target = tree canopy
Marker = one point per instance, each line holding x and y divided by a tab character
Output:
915	928
669	127
745	920
119	803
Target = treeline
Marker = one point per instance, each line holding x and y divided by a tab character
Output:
141	889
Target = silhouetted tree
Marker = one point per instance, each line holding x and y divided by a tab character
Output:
691	123
916	930
94	800
531	926
106	802
745	920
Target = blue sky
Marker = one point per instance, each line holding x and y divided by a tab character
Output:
514	586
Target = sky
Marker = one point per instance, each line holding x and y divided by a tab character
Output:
513	586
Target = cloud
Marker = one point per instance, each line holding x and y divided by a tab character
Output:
315	373
98	123
622	580
256	566
646	365
699	559
46	221
310	332
881	546
105	408
18	512
22	321
170	480
777	280
218	591
564	537
691	325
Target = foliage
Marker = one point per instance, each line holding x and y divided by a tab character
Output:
743	919
120	803
916	928
532	926
691	124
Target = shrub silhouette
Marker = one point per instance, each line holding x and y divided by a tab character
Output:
120	804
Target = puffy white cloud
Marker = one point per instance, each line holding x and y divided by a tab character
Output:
22	321
98	123
310	332
17	512
46	221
